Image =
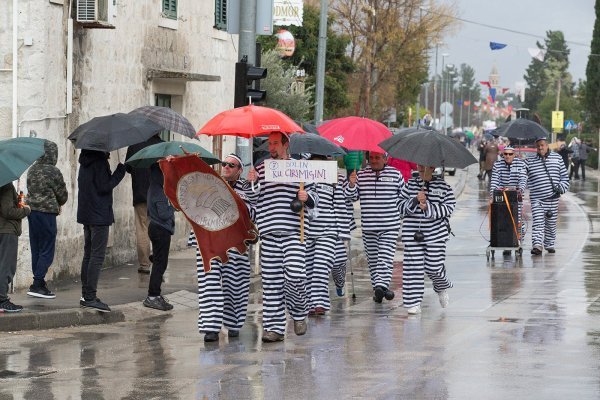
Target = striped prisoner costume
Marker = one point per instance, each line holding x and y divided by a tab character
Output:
428	256
223	292
541	193
282	256
348	224
378	192
505	175
321	241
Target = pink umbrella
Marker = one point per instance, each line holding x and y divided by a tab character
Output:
356	133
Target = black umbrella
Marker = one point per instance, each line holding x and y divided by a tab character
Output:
429	148
313	144
522	129
112	132
168	119
308	127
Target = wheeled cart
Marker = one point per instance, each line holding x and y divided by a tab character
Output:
504	223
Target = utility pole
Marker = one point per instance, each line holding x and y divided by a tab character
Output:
435	86
557	108
321	52
469	110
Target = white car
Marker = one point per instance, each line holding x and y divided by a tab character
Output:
450	171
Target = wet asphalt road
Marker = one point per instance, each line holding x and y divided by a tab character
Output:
515	329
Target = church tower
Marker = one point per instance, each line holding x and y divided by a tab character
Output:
495	78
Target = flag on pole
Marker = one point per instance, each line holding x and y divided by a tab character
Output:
497	46
504	90
485	83
493	94
218	215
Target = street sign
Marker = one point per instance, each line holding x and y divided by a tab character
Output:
570	124
446	108
446	121
558	118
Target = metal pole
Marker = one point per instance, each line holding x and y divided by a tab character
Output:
247	44
469	110
461	106
321	52
434	111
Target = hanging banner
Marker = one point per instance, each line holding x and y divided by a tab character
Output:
301	171
288	12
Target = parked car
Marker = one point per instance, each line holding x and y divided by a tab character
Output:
450	171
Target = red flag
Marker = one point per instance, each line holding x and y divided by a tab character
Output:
467	103
218	215
486	84
504	90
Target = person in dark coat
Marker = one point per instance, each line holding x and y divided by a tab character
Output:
95	212
160	230
140	181
10	230
47	193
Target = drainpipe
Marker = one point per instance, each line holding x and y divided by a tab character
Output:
15	69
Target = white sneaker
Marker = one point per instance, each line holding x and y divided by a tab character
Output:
444	298
414	310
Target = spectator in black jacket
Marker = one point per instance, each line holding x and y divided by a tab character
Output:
140	181
95	212
160	229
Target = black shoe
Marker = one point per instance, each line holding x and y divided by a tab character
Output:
8	306
378	295
389	295
211	337
551	250
233	333
536	251
40	291
95	304
158	303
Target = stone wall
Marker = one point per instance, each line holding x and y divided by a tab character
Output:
110	69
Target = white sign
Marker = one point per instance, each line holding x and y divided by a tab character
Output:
288	12
301	171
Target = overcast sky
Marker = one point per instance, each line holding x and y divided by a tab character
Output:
470	43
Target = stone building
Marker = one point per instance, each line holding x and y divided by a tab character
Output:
125	55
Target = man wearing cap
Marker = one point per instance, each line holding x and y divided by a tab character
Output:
507	173
282	255
547	178
378	188
223	291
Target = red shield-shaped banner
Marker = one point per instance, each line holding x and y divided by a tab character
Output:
219	217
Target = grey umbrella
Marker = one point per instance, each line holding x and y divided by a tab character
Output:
428	147
522	129
112	132
312	143
168	119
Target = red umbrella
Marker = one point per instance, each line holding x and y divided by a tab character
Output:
249	121
356	133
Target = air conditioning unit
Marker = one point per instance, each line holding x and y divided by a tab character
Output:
96	13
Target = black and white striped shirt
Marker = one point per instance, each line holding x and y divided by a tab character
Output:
508	175
434	221
271	201
540	182
330	217
378	192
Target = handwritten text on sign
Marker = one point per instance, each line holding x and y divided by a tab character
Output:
301	171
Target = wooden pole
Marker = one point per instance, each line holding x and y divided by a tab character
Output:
302	217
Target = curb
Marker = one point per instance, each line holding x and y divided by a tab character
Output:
58	319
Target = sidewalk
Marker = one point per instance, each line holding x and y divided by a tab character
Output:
124	289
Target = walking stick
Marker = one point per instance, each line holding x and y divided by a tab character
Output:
351	270
302	217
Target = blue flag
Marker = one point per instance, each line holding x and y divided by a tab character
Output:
497	46
493	94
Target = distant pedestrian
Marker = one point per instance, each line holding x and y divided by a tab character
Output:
95	212
584	150
10	230
491	151
575	146
427	203
160	229
47	193
140	181
378	187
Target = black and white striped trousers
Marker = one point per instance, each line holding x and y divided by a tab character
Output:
543	231
340	264
282	262
380	247
421	259
223	293
320	256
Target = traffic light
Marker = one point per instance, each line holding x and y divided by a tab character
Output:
247	84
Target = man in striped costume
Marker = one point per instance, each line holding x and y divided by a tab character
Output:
378	187
508	173
282	255
321	242
340	261
427	203
223	292
547	178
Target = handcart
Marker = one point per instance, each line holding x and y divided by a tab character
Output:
505	223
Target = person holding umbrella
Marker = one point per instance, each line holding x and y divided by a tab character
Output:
378	187
223	292
427	203
95	212
547	179
282	256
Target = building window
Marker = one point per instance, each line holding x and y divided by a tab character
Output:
169	9
221	14
163	100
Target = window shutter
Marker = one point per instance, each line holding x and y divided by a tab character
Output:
169	8
221	14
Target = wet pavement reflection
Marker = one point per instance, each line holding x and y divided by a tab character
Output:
515	328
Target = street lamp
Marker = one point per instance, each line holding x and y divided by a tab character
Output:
463	85
444	55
